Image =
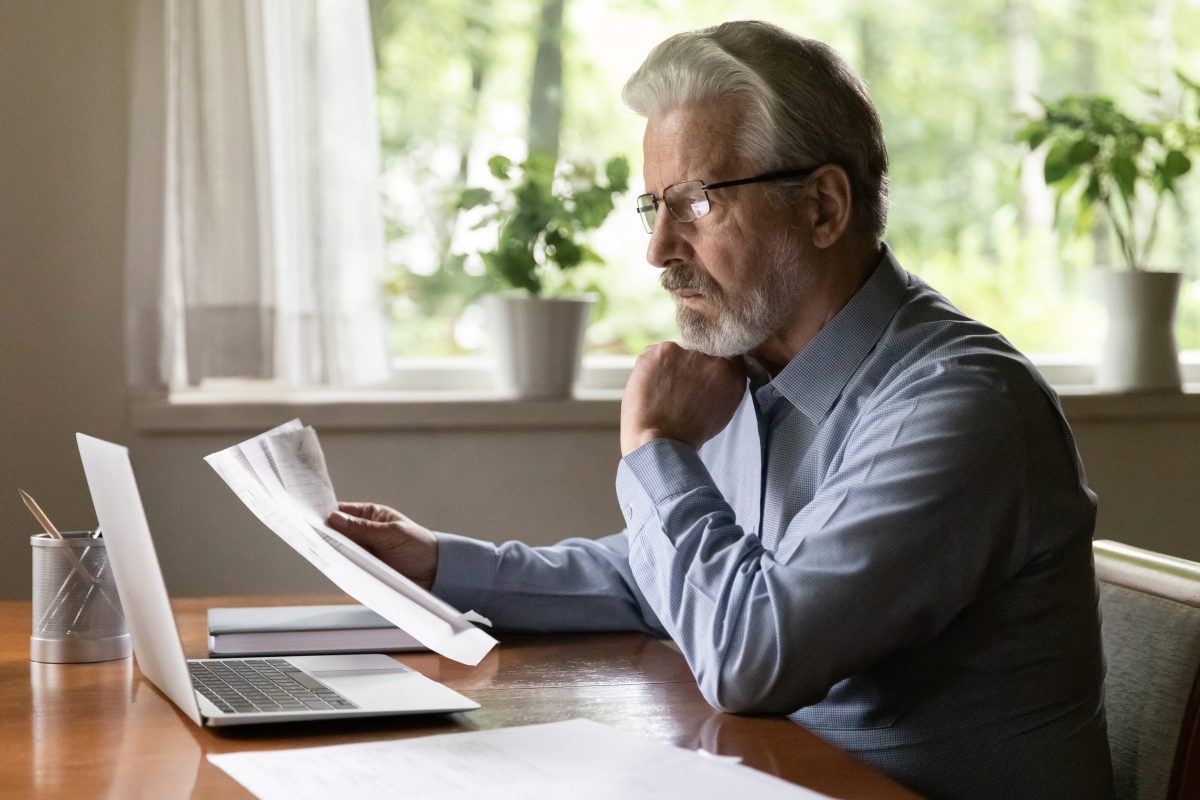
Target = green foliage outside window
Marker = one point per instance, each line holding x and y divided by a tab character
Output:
954	80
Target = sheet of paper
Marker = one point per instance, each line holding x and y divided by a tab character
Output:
577	759
299	466
281	477
235	468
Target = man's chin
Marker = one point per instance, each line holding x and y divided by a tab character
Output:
706	347
718	344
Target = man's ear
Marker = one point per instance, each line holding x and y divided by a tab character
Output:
828	205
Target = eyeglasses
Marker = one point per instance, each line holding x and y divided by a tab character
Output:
688	200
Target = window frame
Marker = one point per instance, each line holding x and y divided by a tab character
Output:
457	396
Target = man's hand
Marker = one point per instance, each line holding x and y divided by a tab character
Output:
679	394
393	538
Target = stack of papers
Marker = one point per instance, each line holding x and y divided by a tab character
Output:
580	759
281	477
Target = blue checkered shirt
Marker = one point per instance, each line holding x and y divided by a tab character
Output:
890	542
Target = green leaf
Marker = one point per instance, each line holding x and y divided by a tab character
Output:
1090	193
500	167
562	249
1088	198
617	172
1125	173
1034	133
1058	162
1083	151
1173	166
472	198
515	265
592	207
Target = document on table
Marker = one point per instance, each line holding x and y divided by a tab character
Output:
580	759
281	477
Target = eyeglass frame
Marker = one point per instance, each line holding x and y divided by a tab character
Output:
777	175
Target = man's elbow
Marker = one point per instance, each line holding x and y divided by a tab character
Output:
747	691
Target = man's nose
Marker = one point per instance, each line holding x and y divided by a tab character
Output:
668	247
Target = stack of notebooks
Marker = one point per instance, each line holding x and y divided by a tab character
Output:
296	630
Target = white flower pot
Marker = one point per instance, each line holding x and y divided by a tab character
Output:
537	343
1140	354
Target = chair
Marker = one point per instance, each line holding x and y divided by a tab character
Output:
1150	606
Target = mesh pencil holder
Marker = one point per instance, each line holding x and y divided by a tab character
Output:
76	612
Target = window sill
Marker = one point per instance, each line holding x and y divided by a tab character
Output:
213	412
374	411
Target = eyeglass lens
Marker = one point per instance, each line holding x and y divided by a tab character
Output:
686	201
647	209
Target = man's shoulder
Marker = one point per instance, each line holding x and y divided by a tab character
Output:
931	343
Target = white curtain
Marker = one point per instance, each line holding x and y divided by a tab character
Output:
254	237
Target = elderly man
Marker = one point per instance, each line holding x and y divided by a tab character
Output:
846	501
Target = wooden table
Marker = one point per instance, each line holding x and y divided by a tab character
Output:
102	730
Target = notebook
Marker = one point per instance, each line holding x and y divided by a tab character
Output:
218	692
297	630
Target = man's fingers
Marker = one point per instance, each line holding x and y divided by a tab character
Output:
371	511
354	525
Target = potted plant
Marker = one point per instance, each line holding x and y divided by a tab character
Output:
537	311
1125	168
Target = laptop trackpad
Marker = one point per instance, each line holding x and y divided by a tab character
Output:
370	686
391	688
378	681
363	679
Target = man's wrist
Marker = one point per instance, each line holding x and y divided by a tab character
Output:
631	443
651	479
466	571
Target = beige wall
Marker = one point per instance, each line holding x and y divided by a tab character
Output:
1147	475
63	96
63	133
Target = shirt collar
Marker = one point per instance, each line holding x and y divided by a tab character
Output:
816	377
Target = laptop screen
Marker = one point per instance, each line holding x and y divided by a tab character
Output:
144	598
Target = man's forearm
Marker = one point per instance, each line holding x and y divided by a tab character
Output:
575	585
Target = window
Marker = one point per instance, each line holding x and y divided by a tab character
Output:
950	78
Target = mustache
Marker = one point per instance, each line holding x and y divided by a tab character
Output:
673	278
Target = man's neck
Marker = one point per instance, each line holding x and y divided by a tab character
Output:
840	272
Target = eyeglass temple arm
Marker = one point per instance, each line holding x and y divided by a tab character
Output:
769	176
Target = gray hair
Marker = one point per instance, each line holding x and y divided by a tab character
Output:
803	105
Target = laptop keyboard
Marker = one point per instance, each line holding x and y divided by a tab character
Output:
256	685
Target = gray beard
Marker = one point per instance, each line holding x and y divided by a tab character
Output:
740	324
731	332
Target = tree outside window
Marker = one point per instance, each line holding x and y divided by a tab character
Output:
462	80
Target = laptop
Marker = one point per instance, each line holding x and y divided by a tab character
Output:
234	691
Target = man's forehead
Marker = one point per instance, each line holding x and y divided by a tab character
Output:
688	138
